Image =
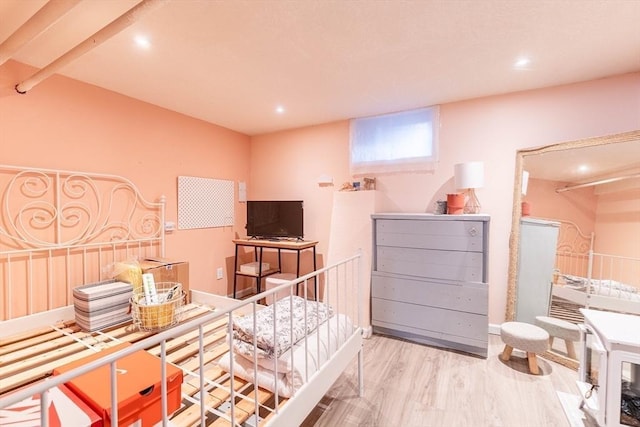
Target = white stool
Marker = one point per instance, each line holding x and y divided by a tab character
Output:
276	280
526	337
562	329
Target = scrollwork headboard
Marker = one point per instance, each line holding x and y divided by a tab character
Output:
572	249
60	229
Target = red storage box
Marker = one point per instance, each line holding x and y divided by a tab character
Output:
138	384
65	409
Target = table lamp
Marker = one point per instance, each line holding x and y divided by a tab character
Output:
470	176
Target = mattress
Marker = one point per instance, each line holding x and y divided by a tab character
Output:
296	366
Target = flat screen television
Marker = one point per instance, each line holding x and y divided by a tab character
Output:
275	219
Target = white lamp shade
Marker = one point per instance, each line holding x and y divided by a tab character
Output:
469	175
525	182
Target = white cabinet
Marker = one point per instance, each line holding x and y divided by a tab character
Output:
610	361
429	279
537	254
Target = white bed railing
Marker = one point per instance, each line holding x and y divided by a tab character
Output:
594	280
572	263
572	249
614	283
622	269
60	229
342	291
608	282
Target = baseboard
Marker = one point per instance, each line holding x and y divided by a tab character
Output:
242	293
494	329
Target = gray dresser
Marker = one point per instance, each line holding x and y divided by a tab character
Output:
429	279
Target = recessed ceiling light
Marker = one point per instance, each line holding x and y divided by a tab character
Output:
280	109
142	42
583	168
522	63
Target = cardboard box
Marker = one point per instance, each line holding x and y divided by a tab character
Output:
167	270
65	409
138	384
253	267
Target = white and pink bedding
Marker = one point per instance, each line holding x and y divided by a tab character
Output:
295	317
604	287
294	364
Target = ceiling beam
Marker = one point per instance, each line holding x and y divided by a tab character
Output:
116	26
36	25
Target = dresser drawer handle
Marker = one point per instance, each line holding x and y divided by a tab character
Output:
473	231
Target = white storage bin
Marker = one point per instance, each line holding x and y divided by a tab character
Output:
277	280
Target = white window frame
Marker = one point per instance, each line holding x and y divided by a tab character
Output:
377	144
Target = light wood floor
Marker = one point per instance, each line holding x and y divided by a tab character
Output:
409	384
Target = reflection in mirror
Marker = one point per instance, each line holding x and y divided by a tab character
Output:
576	210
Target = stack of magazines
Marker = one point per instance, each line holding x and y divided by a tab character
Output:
103	304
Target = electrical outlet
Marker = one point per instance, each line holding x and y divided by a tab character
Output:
219	273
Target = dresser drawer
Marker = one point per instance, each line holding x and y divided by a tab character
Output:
447	323
469	297
446	235
434	264
429	281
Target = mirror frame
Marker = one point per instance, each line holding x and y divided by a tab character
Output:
514	238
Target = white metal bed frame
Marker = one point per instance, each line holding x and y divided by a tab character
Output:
575	256
296	408
71	224
572	249
54	223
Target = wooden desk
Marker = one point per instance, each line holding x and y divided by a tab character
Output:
279	245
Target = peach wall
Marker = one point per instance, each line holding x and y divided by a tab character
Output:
617	231
578	206
286	165
65	124
489	129
611	215
617	221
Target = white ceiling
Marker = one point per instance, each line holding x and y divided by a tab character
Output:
231	62
578	165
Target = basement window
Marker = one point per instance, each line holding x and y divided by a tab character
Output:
398	142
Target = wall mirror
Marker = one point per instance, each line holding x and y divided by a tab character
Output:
575	205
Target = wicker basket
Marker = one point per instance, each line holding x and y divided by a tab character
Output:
150	317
